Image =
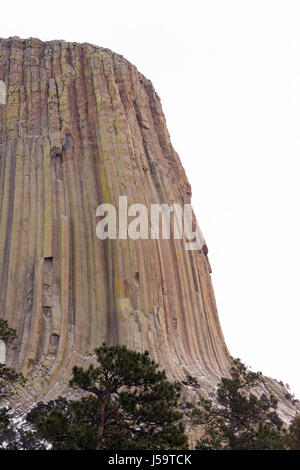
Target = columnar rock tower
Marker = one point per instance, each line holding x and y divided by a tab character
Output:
80	126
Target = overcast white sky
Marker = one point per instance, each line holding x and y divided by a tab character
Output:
228	74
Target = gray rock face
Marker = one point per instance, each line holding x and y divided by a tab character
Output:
80	126
2	352
2	92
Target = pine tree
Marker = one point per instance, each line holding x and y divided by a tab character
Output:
240	420
128	404
293	435
9	381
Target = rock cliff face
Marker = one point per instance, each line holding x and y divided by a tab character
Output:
80	126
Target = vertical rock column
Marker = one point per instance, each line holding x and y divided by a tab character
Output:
80	126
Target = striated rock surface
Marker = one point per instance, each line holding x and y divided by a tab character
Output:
80	126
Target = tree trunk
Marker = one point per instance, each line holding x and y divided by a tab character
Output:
101	425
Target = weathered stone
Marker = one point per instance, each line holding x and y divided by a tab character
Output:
2	352
2	92
80	126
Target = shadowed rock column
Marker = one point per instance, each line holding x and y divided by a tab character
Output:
80	126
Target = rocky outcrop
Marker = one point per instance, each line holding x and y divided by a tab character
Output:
79	126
